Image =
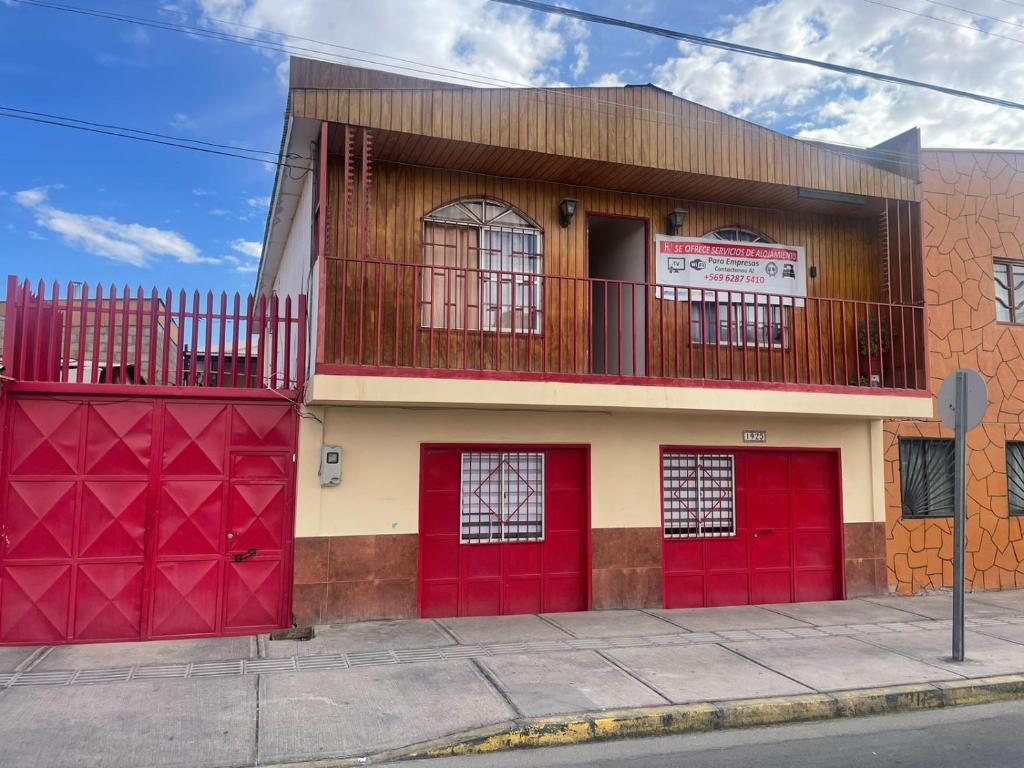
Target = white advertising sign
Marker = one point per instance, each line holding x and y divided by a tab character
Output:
723	265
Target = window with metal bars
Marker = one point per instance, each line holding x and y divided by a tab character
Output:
1015	477
926	476
502	497
1009	284
484	269
698	494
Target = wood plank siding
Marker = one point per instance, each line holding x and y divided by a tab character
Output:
379	301
638	126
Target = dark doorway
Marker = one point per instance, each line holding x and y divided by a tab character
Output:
617	264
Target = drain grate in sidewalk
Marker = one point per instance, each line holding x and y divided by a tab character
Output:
353	660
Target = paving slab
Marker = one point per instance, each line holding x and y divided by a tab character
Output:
1013	633
567	682
349	712
1009	598
611	623
835	612
940	606
482	630
12	658
363	636
985	655
732	617
102	655
702	673
195	723
838	663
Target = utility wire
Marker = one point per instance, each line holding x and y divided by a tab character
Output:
978	14
950	22
130	133
455	74
759	52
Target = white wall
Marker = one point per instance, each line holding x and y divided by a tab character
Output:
295	275
617	252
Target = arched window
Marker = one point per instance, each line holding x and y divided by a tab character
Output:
737	235
483	264
741	319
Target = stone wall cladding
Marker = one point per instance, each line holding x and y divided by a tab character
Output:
972	213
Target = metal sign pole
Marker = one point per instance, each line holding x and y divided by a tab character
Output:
959	514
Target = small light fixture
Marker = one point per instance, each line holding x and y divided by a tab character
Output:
568	209
676	219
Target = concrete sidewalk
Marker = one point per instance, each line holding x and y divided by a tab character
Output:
361	689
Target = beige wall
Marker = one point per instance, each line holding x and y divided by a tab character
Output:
379	492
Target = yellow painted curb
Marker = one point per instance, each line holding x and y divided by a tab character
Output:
695	718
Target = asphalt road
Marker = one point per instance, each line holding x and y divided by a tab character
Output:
988	736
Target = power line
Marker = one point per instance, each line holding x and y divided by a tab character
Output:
759	52
978	14
950	22
477	79
131	133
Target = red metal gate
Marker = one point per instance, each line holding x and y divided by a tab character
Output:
531	557
750	526
146	463
141	518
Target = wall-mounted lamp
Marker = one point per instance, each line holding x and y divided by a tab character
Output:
676	220
567	208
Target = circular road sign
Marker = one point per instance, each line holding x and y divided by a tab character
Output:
977	399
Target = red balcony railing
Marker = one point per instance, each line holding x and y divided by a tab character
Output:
402	318
133	337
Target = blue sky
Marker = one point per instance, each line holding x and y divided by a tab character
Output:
86	207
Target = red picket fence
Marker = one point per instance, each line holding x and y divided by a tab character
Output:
134	337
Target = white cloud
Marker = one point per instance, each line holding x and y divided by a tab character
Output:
249	248
259	202
183	122
200	192
133	244
218	212
831	107
477	36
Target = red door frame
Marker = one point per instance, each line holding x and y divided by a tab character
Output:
647	279
582	447
837	452
7	399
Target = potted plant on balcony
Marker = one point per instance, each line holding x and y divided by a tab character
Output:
874	341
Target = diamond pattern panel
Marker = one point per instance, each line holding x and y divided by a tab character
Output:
253	594
194	438
185	598
40	519
119	437
44	437
34	603
256	515
262	426
190	518
108	601
113	520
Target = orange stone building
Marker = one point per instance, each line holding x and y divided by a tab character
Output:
973	221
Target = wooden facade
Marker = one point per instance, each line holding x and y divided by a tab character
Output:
395	149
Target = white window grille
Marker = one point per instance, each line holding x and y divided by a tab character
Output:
698	494
484	264
502	497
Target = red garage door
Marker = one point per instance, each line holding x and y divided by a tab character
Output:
748	527
503	529
135	518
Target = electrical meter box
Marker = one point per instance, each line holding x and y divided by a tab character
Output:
330	465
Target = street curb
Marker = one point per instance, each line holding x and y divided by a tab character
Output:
702	717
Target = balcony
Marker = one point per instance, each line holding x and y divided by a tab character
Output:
387	318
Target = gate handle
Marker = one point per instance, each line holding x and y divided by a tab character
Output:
244	555
763	530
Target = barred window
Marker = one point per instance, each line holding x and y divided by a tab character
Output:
484	269
502	497
1015	477
698	494
1009	284
926	476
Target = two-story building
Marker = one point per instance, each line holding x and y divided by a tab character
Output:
588	348
973	212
